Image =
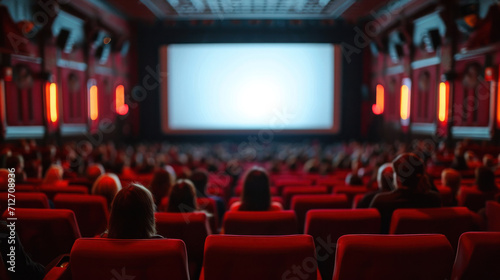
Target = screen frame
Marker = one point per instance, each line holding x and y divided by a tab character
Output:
337	96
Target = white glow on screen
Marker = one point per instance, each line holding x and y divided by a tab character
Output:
250	86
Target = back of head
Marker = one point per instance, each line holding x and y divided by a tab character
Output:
409	173
54	174
182	198
132	214
485	179
256	195
94	171
489	161
451	178
107	185
4	180
385	177
160	184
200	180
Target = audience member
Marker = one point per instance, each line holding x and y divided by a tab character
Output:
451	178
256	195
385	182
107	185
160	185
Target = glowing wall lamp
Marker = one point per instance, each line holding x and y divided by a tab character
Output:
51	101
405	102
121	107
444	89
378	107
498	100
94	103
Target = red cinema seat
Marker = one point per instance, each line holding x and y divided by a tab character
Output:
46	233
235	199
260	222
493	215
450	221
473	198
91	211
478	256
290	191
303	203
326	226
192	228
23	200
139	259
280	184
446	195
350	191
259	257
393	257
25	188
204	203
357	198
51	191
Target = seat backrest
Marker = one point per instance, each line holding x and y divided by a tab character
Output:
478	256
259	257
473	198
23	200
493	215
326	226
235	199
51	191
140	259
204	203
393	257
450	221
91	211
350	191
303	203
46	233
192	228
260	222
357	198
290	191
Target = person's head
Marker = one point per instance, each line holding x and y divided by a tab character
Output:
17	163
182	198
54	174
451	178
107	185
385	177
94	171
4	179
470	156
485	179
256	195
489	161
200	180
132	214
160	184
409	173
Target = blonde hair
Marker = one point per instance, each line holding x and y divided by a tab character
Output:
107	185
54	174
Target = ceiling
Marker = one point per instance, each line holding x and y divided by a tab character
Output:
350	10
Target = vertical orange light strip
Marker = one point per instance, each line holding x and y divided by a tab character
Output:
47	100
119	98
498	99
443	101
405	110
94	110
380	99
53	101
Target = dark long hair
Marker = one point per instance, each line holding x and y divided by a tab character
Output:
410	172
485	179
132	214
256	195
160	184
182	197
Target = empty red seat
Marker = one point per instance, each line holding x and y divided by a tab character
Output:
290	191
280	184
260	222
326	226
303	203
140	259
51	191
23	200
450	221
259	257
493	215
46	233
91	211
204	203
192	228
393	257
478	256
473	198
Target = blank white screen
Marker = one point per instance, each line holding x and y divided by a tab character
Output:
250	86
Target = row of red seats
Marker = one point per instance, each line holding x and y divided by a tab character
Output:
376	257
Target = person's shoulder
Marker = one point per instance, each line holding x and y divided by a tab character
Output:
382	198
235	206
